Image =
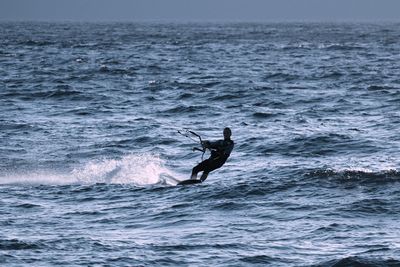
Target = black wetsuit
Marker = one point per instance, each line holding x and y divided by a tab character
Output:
220	152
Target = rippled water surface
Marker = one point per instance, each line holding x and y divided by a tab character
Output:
90	153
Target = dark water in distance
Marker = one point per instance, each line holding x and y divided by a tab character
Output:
90	154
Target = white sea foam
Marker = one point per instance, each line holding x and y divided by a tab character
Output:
137	169
37	177
142	169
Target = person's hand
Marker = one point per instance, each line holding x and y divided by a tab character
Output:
205	144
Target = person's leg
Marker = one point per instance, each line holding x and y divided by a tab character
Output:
204	176
211	166
200	167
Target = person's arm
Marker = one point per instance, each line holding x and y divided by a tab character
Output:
212	145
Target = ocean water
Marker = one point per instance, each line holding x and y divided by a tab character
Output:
90	154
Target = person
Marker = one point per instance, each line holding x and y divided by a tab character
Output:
220	152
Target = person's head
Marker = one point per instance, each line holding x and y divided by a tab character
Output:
227	133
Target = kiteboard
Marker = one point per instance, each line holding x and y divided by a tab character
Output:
189	182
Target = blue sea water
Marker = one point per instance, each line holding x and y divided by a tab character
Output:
90	154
